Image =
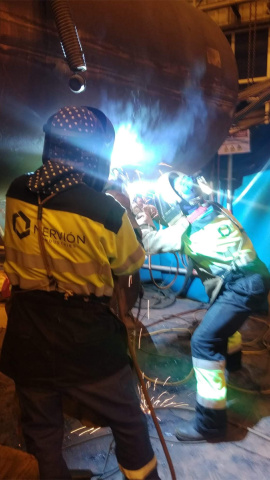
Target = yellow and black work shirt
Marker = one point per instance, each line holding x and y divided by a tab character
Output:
87	236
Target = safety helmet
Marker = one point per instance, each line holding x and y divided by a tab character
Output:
83	136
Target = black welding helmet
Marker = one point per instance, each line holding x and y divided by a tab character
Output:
83	137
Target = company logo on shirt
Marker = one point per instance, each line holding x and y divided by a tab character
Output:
21	224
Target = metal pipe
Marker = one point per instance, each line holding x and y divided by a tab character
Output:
224	4
229	182
244	26
252	106
163	268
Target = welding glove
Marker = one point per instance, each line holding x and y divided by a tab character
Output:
144	214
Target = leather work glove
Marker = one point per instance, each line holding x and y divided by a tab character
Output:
144	213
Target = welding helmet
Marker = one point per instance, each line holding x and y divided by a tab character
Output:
187	188
167	200
179	194
83	137
192	190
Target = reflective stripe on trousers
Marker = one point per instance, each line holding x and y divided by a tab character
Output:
142	473
211	384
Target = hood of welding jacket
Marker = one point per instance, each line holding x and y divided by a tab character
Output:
82	137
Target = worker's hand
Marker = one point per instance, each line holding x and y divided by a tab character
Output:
145	214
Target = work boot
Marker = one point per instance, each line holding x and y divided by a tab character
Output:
187	432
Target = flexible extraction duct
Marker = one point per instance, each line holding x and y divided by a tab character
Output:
163	69
70	43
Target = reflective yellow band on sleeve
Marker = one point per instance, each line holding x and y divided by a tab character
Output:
140	474
132	263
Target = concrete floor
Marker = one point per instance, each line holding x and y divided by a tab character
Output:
164	357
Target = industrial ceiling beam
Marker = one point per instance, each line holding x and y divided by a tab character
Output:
224	4
245	26
235	10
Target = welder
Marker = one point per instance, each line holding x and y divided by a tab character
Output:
235	279
65	241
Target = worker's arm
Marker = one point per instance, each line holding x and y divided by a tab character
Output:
164	240
130	255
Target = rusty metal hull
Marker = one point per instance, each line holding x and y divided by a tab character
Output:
162	66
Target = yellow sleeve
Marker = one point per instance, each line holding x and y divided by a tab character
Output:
130	255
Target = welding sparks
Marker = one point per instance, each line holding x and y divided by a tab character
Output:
77	429
167	400
92	430
157	402
165	164
139	174
166	381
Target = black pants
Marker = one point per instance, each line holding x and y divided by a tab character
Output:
78	348
114	399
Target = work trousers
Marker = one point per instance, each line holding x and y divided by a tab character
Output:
113	399
239	297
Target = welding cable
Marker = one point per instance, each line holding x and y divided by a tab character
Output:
256	340
190	374
160	382
169	317
251	430
170	384
189	276
239	425
255	352
68	34
121	305
180	316
167	330
98	475
165	287
104	474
